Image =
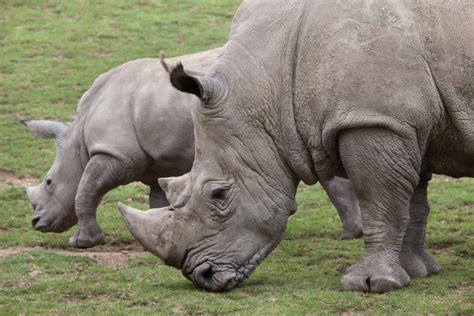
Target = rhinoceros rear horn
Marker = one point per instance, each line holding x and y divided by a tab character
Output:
177	189
46	129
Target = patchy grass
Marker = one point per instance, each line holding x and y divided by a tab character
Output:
301	276
51	53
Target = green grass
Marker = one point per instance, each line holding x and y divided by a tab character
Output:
51	51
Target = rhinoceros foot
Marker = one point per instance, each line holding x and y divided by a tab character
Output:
352	233
419	264
87	236
378	274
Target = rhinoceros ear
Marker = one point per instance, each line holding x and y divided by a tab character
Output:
46	129
184	82
177	189
204	88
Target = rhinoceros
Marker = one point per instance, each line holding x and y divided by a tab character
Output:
131	125
379	92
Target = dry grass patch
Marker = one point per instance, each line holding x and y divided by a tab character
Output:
10	180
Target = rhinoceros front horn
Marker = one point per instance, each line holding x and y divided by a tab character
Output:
154	229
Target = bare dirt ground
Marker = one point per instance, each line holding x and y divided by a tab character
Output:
112	259
9	180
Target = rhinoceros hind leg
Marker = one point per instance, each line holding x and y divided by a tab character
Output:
157	197
345	200
383	168
102	174
414	259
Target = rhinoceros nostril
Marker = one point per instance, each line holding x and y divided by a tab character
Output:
207	275
35	220
211	278
203	276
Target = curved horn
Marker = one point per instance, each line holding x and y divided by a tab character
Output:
46	129
29	192
154	229
177	189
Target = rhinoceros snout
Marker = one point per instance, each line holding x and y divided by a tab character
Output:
211	279
40	223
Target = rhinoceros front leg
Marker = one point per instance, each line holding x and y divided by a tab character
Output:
383	167
102	174
414	259
157	197
345	200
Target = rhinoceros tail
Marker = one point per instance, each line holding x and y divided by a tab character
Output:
163	62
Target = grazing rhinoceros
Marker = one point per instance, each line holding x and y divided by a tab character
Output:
131	125
380	92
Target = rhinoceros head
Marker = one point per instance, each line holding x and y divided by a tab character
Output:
53	198
231	209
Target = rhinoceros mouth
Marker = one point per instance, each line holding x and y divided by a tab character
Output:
217	278
44	224
223	276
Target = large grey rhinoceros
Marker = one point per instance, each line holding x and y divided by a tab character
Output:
380	92
131	125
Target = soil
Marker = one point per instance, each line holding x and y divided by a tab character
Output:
352	312
9	180
465	288
116	259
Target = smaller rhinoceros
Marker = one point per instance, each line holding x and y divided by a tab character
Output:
131	125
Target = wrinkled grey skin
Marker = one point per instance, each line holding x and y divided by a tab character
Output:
131	125
380	92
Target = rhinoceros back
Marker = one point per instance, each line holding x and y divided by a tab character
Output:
338	65
133	109
449	51
164	116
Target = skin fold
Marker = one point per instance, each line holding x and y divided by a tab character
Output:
378	92
131	125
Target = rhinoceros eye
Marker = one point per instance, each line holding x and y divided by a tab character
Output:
48	182
218	194
217	191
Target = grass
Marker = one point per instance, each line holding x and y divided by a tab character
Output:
51	51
